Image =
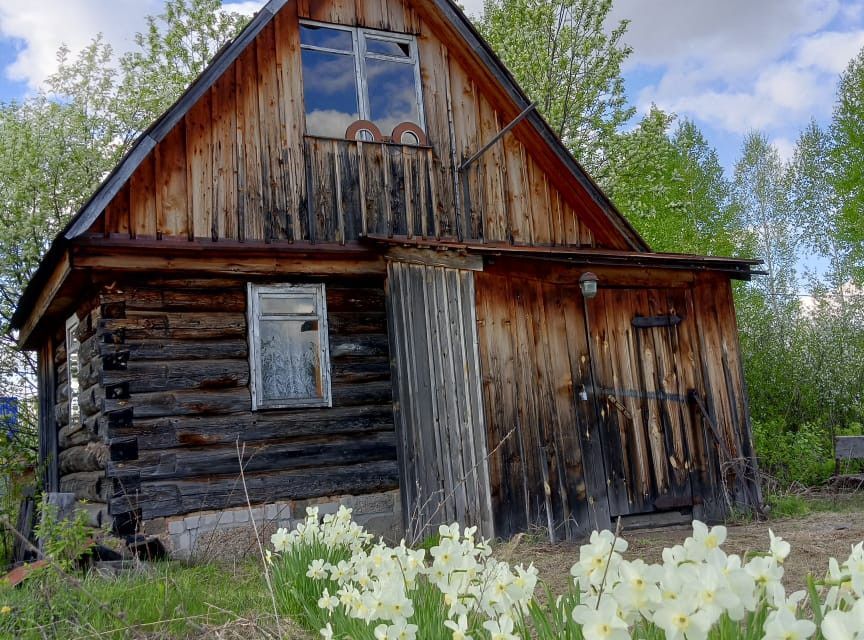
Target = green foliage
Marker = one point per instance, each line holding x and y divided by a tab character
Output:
671	186
17	473
787	506
170	599
56	146
567	61
63	540
801	454
847	152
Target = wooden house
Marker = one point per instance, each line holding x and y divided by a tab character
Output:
354	255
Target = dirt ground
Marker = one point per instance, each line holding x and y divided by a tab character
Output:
814	538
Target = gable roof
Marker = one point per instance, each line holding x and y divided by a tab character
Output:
147	141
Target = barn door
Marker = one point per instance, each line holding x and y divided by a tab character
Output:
644	346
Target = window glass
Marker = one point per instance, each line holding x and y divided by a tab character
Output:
290	360
330	92
358	74
288	352
388	48
392	93
274	304
316	36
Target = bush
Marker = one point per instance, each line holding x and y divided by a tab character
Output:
462	592
803	456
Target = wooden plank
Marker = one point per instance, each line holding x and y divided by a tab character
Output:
225	154
142	199
434	73
492	187
117	213
47	295
518	192
272	136
171	199
199	176
291	115
173	497
465	108
250	183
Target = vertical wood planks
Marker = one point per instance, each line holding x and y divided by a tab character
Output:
142	199
272	138
172	209
199	168
250	201
439	390
224	153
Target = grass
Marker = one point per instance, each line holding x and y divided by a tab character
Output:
169	600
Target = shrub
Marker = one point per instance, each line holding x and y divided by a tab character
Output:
802	456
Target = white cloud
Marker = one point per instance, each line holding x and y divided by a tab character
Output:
740	64
43	27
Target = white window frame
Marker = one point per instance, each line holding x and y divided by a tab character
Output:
358	37
319	292
72	383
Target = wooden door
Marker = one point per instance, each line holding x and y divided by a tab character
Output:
646	362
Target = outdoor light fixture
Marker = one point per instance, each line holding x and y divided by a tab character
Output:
588	285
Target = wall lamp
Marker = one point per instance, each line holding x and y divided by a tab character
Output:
588	284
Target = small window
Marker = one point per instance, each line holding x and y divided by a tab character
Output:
358	74
288	346
73	368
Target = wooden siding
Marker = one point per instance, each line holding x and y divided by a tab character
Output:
238	166
173	400
443	457
573	448
534	359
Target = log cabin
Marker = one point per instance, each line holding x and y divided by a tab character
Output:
353	258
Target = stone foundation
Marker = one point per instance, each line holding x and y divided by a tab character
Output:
229	534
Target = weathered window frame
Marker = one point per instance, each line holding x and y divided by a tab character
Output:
255	315
359	36
73	354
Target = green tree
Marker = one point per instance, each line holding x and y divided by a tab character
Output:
673	188
565	59
847	154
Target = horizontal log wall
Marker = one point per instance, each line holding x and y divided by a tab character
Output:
176	402
240	167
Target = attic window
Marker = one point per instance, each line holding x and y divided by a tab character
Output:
358	74
288	346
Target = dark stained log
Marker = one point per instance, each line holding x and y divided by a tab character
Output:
188	462
82	433
367	345
61	412
123	449
167	498
91	400
195	326
148	377
185	403
178	298
197	431
168	349
360	370
345	323
86	485
91	457
359	298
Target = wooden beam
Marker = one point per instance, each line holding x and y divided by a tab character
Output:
44	300
231	257
432	258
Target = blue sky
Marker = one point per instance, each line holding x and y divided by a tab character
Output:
729	65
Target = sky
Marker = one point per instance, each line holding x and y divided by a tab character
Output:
731	66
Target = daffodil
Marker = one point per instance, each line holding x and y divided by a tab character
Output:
783	625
